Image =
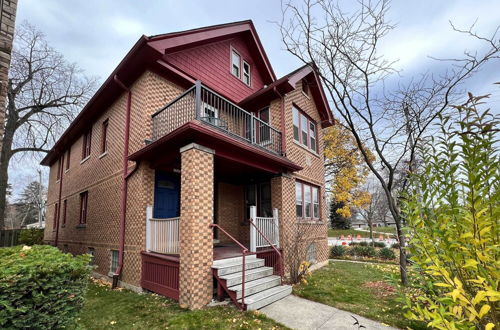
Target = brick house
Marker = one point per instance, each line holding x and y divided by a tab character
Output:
194	171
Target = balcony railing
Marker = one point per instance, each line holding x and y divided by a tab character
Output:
202	104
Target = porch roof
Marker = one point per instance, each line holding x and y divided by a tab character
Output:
165	150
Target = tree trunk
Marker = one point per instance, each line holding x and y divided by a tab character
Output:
5	156
402	252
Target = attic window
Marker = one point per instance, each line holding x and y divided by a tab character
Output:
246	73
235	63
305	87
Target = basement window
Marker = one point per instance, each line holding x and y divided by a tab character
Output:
114	261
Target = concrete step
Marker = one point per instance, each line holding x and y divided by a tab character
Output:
250	275
234	259
237	266
267	297
256	286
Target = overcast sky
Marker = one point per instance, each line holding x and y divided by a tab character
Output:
97	34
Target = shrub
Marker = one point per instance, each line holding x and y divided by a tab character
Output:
452	209
337	251
386	253
31	236
41	287
363	243
395	246
362	251
353	243
378	244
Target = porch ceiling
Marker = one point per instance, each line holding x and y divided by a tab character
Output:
232	156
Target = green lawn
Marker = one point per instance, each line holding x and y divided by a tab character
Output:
354	233
111	309
358	288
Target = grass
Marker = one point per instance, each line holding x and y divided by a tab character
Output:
354	233
111	309
358	288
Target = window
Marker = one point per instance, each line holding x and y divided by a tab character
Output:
83	207
305	87
68	157
235	63
315	195
87	141
246	73
104	136
91	251
307	200
65	205
114	261
296	124
264	130
304	130
56	208
299	200
59	167
311	253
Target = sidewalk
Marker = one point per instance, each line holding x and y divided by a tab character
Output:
303	314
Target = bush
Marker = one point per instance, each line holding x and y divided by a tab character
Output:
337	251
41	287
31	236
353	243
378	244
362	251
395	246
386	253
363	243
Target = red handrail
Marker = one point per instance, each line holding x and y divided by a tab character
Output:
244	253
280	264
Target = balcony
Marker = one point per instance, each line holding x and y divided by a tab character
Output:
199	103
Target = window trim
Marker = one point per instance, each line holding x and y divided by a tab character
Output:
310	121
56	211
104	136
68	157
84	207
306	185
231	64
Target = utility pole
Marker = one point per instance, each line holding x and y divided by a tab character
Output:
40	199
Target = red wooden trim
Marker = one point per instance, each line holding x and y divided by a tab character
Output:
160	274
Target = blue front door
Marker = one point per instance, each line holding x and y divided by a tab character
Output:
167	201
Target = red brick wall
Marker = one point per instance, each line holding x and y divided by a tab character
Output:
211	64
230	211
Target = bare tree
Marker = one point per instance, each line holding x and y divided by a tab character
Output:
342	47
44	93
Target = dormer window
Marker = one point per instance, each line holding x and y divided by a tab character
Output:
305	87
235	63
246	73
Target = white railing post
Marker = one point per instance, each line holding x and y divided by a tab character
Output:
253	231
149	215
276	227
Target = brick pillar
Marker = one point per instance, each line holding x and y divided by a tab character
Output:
283	198
197	213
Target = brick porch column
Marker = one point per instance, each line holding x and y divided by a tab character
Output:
283	198
197	213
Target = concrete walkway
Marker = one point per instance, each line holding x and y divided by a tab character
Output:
303	314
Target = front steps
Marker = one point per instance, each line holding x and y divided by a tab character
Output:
261	286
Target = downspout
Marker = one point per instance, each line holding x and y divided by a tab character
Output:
283	126
124	186
61	170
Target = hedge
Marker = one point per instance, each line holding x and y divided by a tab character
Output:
31	236
41	287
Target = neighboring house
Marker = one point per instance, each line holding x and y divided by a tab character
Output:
188	147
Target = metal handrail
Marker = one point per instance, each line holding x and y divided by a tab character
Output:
173	101
274	248
244	253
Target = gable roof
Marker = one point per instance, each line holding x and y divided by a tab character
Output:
285	85
149	53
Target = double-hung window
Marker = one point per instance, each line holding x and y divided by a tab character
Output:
306	201
304	130
65	205
104	136
68	158
87	142
84	196
235	63
246	73
56	210
264	130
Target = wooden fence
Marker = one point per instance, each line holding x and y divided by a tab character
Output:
9	237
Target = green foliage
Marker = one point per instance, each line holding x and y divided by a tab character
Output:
386	253
41	287
337	251
378	244
338	221
454	224
31	236
395	246
362	251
